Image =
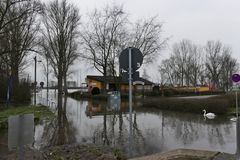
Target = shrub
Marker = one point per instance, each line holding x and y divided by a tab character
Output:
156	89
19	94
22	93
231	96
95	91
170	92
3	89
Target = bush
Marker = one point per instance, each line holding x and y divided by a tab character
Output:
3	89
168	92
22	93
231	96
95	91
19	94
156	89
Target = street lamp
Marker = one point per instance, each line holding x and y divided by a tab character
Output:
47	76
35	78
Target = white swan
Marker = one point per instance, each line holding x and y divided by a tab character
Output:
208	115
234	119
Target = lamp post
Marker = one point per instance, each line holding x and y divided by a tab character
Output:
35	78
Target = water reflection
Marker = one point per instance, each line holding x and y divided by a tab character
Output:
152	130
59	131
238	139
157	131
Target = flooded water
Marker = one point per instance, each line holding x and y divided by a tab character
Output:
152	130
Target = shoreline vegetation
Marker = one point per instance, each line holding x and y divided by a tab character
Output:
71	151
219	103
40	113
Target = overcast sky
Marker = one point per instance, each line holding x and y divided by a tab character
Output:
196	20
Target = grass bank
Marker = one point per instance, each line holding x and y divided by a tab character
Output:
83	152
219	104
71	152
40	113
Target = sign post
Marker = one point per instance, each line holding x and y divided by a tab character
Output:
236	79
130	93
130	61
238	139
130	78
236	104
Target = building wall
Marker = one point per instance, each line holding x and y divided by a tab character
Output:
93	83
202	89
71	83
123	87
194	89
137	87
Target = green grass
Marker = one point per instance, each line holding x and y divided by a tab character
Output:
218	104
232	111
40	113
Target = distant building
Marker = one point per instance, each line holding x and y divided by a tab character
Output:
52	84
203	88
71	83
117	83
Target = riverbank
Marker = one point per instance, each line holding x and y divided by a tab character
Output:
188	154
216	104
40	113
91	152
219	104
73	151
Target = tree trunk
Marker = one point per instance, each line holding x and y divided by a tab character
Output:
60	89
105	80
65	105
65	84
15	82
182	76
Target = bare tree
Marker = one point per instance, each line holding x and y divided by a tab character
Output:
6	7
19	36
168	71
181	53
12	11
195	66
109	32
185	66
61	21
146	35
229	66
102	38
214	51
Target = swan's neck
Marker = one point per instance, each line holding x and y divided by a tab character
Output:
204	113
